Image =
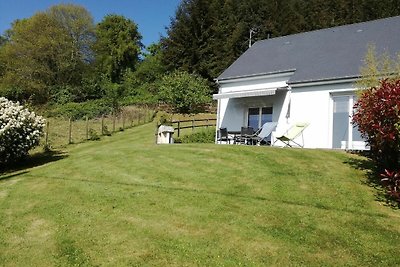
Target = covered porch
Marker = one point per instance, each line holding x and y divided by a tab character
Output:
251	109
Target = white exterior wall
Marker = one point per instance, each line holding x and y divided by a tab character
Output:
314	104
311	103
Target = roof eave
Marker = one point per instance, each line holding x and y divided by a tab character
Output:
254	76
324	81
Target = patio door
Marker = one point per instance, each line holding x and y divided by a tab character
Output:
344	134
258	116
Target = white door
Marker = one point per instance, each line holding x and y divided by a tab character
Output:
344	134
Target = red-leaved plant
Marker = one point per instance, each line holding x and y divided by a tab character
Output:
391	179
377	118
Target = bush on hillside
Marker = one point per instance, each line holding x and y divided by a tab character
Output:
20	131
187	93
204	136
91	109
377	117
391	179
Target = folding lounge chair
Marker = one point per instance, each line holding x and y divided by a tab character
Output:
264	132
292	134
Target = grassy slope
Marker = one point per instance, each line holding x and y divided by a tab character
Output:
125	201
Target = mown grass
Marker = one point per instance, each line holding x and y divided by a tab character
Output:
125	201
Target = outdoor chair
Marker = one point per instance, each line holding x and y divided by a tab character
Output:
263	133
223	136
246	134
291	134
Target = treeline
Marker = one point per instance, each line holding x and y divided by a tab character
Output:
60	55
206	36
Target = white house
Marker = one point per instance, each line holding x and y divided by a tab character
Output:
306	77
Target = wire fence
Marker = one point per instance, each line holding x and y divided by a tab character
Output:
60	132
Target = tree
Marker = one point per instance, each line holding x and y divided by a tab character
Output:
377	67
3	40
78	24
36	57
117	46
44	51
185	92
142	84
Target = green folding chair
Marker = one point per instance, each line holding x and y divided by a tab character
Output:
291	134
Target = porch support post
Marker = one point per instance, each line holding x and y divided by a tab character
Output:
218	120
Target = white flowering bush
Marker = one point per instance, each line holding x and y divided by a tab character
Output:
20	130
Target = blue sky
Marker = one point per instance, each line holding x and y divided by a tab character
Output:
152	16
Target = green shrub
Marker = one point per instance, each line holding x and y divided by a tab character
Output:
203	136
91	109
187	93
93	135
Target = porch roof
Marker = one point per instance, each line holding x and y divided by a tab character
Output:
246	93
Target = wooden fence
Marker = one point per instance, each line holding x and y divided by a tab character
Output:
191	124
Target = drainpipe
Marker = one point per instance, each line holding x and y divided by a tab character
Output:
218	114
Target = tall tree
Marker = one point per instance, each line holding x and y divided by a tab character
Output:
117	46
78	24
42	53
3	40
36	57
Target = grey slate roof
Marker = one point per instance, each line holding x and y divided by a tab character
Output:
325	54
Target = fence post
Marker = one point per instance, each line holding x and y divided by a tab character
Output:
139	117
102	124
70	131
207	124
192	125
179	128
113	119
87	128
47	135
123	121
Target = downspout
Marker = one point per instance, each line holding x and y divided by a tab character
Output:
218	114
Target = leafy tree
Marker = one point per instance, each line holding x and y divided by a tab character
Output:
36	57
151	68
377	67
142	83
114	92
3	40
185	92
117	46
78	24
46	51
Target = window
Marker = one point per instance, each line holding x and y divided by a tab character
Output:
258	116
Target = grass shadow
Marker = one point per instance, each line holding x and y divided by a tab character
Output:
373	179
35	160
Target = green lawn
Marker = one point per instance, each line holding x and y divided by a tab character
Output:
125	201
